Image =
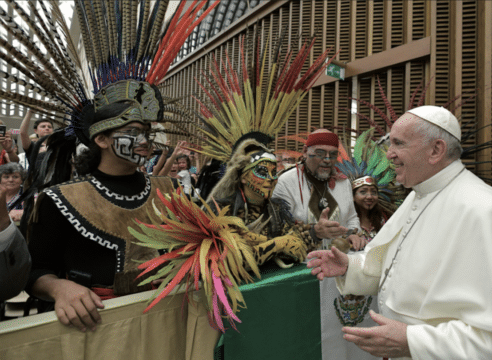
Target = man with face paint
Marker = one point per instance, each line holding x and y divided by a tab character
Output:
130	138
317	194
259	180
247	188
91	256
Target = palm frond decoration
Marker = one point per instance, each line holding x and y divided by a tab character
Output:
199	246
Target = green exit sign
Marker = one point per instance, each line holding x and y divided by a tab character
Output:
335	71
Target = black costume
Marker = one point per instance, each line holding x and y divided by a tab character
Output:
81	226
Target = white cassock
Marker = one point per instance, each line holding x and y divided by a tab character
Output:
289	188
441	279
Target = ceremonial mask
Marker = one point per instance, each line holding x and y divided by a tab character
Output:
259	182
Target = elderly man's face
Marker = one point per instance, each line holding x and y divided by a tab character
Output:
320	160
409	151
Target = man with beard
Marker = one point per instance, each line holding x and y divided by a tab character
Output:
319	196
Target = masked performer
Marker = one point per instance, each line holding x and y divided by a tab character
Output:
242	142
78	236
240	226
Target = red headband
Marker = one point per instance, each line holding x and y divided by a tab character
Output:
322	138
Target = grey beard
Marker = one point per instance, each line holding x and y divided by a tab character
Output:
323	177
318	176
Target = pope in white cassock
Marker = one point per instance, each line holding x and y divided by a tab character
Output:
431	263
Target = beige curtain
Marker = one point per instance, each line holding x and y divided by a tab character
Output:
167	331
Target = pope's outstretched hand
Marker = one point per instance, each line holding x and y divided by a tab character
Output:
327	263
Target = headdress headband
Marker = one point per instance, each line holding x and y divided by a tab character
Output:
369	166
322	138
365	180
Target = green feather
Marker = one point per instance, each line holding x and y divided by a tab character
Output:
360	146
160	274
387	178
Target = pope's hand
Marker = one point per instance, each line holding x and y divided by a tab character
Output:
327	263
77	305
388	340
326	229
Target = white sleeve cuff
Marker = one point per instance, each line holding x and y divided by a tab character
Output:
7	235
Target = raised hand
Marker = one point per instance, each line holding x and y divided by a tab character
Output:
6	141
179	149
327	263
327	229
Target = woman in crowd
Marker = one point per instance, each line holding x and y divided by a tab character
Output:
7	148
371	215
12	175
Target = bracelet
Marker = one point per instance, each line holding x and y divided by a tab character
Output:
313	234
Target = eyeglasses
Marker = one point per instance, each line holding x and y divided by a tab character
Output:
321	154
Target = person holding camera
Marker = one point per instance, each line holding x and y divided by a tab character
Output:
8	153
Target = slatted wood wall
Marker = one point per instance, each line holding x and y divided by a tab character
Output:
459	61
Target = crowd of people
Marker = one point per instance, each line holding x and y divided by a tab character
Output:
416	303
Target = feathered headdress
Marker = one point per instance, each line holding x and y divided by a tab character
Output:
368	165
125	53
252	104
256	102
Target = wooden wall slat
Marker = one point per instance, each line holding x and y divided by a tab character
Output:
454	63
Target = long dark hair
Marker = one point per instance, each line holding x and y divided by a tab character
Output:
375	215
88	160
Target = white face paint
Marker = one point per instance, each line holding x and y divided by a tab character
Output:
125	143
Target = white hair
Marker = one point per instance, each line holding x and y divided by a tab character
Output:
431	132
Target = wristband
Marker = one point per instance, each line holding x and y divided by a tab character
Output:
313	234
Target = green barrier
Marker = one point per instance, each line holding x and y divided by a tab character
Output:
282	319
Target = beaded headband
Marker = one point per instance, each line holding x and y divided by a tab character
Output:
365	180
